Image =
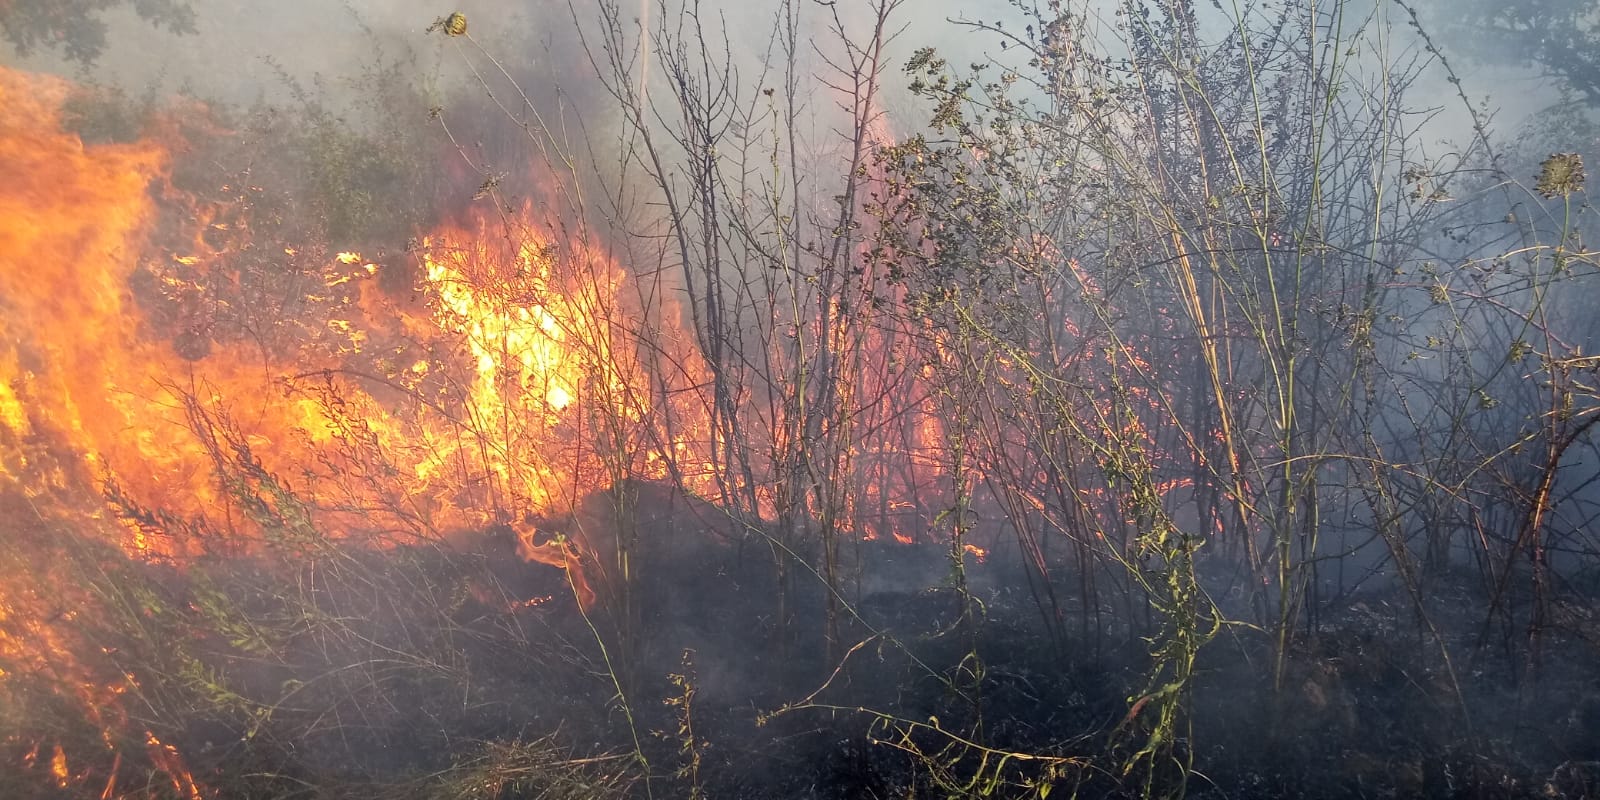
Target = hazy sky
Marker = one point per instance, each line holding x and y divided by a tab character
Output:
226	60
308	37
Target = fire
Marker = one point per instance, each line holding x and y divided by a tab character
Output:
82	373
166	758
513	355
517	342
557	552
69	213
523	369
58	767
527	372
504	390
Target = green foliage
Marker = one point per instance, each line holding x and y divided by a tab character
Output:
107	115
1190	209
367	174
77	27
357	181
691	748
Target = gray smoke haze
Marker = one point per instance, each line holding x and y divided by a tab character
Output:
239	47
230	57
242	51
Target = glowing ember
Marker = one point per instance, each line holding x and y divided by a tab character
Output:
58	767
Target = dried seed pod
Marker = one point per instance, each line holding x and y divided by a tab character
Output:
1560	175
453	25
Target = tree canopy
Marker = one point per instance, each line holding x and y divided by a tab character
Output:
1559	37
78	27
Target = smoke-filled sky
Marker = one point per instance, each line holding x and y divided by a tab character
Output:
241	45
227	59
242	49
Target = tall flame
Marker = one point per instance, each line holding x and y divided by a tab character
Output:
523	369
72	219
514	364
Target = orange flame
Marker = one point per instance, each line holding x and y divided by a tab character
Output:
525	370
492	416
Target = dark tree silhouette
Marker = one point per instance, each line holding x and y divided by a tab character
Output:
1559	37
77	27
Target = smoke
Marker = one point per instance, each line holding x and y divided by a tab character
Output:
710	594
243	51
236	54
